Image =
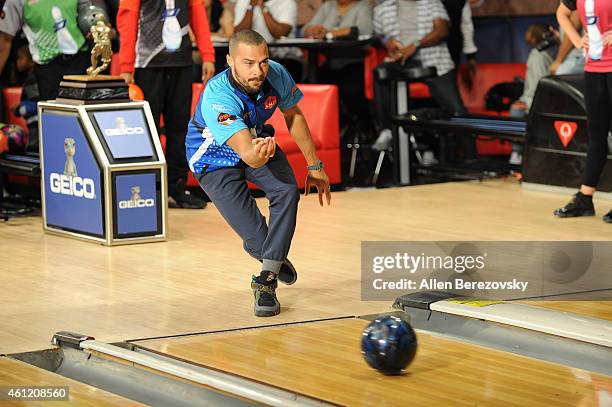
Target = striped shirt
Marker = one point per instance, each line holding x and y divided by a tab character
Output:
386	24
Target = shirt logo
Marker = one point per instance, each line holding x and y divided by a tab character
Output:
226	119
294	90
270	102
218	108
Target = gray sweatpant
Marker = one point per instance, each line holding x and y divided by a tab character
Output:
228	190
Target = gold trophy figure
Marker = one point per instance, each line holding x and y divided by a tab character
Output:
101	35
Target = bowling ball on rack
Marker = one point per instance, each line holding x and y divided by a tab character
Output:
135	92
17	138
389	344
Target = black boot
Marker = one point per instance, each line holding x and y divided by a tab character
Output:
180	197
580	205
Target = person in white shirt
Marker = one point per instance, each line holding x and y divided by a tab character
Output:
272	19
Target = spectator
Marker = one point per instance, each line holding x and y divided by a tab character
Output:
306	11
414	33
56	44
344	18
161	64
461	37
273	19
538	66
221	16
27	108
461	34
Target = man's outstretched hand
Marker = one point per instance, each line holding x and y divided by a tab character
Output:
320	180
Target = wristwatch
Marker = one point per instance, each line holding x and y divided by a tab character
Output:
317	167
249	8
265	9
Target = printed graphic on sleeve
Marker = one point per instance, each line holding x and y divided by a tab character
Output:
226	119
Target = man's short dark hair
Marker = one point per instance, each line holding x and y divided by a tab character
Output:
248	37
537	31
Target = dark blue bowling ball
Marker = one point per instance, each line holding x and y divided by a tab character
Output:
389	344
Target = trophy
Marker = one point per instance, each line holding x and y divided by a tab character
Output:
94	87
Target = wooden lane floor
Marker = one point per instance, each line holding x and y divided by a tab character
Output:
17	373
195	283
323	360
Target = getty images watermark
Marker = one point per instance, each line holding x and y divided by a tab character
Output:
495	270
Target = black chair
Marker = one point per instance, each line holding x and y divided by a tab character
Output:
401	77
28	165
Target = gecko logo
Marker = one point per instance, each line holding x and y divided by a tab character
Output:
136	201
122	129
69	183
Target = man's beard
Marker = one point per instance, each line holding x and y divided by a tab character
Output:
251	86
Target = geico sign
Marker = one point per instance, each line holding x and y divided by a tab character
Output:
124	131
73	186
140	203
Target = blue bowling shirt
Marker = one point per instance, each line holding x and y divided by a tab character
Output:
223	110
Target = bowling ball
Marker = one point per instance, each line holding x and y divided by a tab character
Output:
388	345
135	92
88	16
16	137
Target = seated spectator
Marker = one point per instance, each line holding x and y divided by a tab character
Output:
306	11
414	33
344	18
29	98
55	55
340	18
538	66
540	37
272	19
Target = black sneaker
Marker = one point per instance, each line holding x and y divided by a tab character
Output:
608	217
287	274
580	205
264	291
179	197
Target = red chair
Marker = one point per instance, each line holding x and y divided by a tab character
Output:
320	107
12	98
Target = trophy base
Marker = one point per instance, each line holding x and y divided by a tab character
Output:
97	78
85	89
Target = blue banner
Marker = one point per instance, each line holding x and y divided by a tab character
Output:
126	133
73	187
136	203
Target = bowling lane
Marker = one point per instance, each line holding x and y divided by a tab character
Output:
17	373
323	360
